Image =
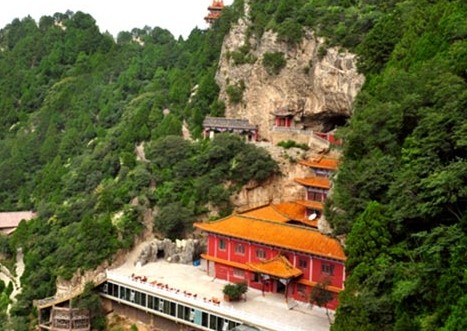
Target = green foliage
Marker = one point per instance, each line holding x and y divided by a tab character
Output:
242	55
235	290
191	175
400	193
235	92
79	106
91	301
292	144
274	62
172	220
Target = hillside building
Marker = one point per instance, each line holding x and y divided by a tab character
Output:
277	248
9	221
215	11
213	125
274	256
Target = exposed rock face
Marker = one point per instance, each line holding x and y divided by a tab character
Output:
180	251
318	89
280	188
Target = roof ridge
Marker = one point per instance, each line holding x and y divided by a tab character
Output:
281	223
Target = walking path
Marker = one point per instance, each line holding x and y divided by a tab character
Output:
6	276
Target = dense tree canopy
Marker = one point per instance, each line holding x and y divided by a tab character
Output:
75	104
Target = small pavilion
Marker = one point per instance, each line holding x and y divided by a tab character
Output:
215	11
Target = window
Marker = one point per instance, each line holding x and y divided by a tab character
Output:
260	254
327	269
255	277
303	263
315	196
238	273
240	249
222	244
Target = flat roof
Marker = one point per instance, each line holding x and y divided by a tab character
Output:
269	310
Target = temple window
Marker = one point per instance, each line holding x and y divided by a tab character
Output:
222	244
302	263
327	269
240	249
238	273
260	254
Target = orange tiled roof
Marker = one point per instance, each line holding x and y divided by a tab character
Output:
311	204
291	210
268	213
321	163
278	266
282	213
321	182
312	284
276	234
227	262
313	223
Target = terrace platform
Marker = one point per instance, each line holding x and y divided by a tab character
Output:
191	285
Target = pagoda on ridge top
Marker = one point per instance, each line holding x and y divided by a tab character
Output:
215	10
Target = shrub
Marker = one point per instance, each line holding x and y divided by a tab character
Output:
292	144
235	92
235	291
274	62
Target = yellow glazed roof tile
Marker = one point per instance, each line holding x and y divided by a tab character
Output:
278	266
276	234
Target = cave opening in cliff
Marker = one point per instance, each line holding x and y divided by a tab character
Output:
326	121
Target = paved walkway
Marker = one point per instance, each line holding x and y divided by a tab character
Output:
271	307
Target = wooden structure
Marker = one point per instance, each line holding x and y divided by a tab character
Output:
213	125
66	319
273	255
283	118
215	11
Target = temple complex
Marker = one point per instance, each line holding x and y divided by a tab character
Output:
215	10
277	248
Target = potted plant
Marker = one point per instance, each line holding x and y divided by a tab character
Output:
235	291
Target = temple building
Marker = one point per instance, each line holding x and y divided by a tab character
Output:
272	255
317	185
277	248
213	125
215	11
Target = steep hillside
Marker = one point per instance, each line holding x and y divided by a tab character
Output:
74	104
400	191
315	83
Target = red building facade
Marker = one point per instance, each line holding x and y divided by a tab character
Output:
274	256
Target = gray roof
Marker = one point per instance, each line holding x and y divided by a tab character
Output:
10	220
231	123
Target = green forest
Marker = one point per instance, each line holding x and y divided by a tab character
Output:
75	103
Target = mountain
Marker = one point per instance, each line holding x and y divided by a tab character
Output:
75	104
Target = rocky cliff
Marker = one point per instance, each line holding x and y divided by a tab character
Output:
317	86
